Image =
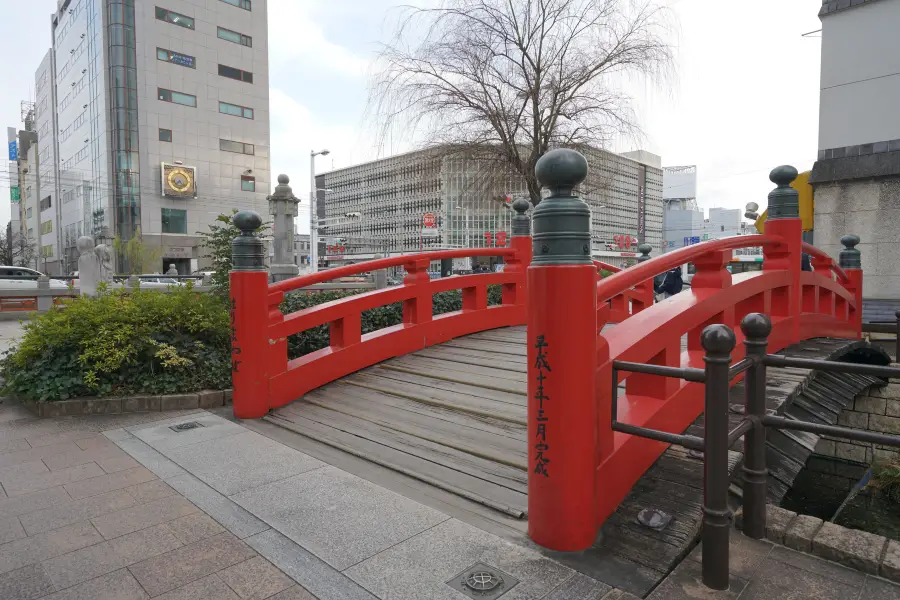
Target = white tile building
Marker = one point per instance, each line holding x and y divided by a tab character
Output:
131	84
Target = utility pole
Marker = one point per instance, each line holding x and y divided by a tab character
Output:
313	210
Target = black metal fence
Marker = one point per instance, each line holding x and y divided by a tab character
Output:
889	328
718	341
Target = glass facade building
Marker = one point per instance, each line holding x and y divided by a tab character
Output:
130	85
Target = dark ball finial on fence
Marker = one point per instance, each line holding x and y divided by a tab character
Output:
784	201
521	222
645	250
718	339
561	170
756	326
247	250
850	257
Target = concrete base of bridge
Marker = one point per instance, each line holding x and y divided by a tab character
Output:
446	426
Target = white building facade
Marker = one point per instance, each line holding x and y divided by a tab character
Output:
392	202
158	120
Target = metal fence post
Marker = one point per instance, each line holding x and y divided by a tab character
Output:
897	346
756	328
718	341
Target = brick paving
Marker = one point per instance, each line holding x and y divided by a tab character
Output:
80	519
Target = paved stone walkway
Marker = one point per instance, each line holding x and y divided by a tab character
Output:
123	506
762	570
8	331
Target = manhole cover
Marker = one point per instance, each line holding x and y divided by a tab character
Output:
185	426
483	582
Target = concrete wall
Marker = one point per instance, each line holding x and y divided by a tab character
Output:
860	81
871	210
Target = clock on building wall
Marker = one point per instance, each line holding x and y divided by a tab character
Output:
179	181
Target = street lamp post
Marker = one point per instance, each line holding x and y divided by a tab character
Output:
313	212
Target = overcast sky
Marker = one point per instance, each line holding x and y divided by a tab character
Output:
745	97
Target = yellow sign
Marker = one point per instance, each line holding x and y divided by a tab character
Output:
807	204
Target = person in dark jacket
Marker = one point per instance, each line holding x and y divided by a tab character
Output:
805	265
671	285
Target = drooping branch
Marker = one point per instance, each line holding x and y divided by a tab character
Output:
510	79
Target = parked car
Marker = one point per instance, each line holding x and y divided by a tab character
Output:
7	272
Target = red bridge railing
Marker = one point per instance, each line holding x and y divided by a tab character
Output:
579	468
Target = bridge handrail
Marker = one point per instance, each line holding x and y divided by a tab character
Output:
827	261
384	263
618	283
606	266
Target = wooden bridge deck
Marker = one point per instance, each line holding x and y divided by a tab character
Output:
453	417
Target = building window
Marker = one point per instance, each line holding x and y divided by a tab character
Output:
173	17
165	135
46	227
235	110
239	147
234	36
248	183
232	73
174	220
245	4
176	97
46	203
28	214
176	58
47	251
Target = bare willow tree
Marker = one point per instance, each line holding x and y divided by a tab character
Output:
510	79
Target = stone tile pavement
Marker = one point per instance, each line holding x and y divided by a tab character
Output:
762	570
125	506
8	331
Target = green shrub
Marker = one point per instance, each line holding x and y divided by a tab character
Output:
886	477
372	320
123	343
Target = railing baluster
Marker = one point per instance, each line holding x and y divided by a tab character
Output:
756	328
718	342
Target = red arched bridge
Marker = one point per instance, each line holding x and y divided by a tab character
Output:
603	403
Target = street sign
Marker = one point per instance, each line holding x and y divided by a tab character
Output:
13	150
429	220
14	193
430	232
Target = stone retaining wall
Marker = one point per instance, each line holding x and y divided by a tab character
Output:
877	410
130	404
860	550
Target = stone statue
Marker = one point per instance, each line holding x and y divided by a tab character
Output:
94	265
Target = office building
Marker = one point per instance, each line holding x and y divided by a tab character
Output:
682	218
393	200
24	191
856	179
151	117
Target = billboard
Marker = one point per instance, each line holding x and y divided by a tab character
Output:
679	182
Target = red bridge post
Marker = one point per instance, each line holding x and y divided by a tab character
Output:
784	220
249	320
515	293
850	259
562	354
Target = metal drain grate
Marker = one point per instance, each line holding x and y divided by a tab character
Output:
483	582
185	426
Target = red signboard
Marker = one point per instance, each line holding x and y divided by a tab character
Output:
501	238
488	238
429	220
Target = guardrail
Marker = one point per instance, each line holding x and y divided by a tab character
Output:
718	341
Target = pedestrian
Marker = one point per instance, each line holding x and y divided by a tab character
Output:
805	265
671	285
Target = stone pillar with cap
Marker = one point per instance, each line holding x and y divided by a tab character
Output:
850	260
784	221
283	208
563	413
248	307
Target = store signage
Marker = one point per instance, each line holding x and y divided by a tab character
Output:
177	252
13	150
690	241
14	193
642	202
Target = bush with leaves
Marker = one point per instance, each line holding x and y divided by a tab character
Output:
372	320
122	343
886	478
